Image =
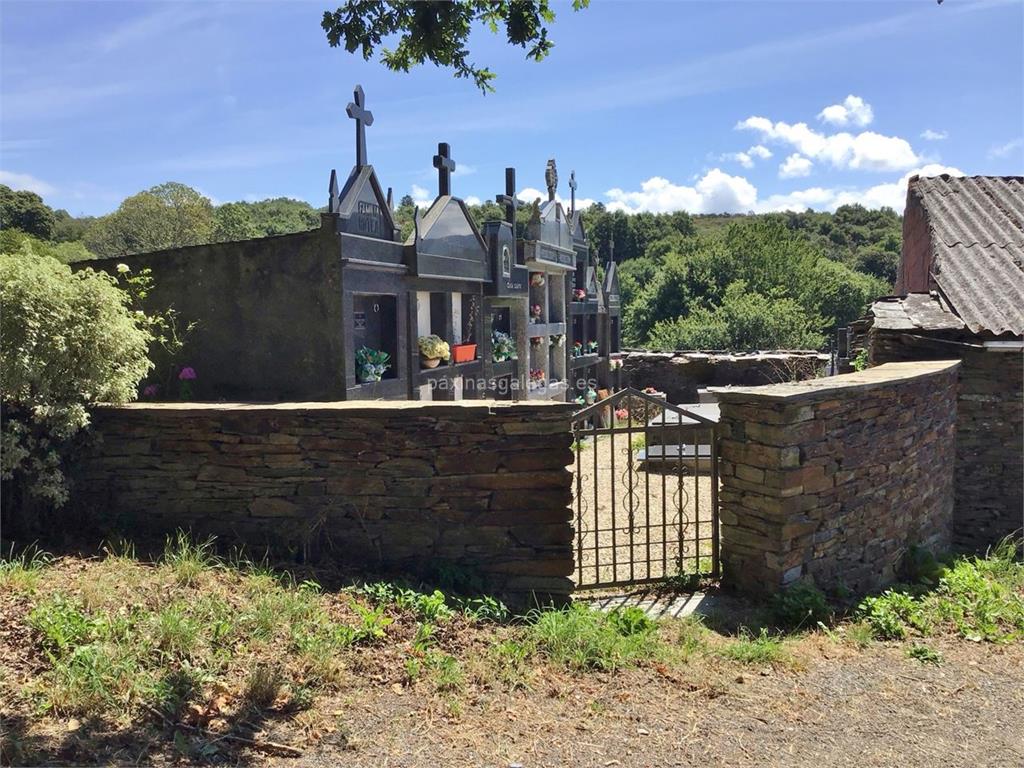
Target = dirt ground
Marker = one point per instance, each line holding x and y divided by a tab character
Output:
848	708
651	511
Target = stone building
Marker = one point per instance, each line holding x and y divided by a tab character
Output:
336	313
960	294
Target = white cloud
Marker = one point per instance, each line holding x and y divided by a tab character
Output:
716	191
1008	149
794	166
471	200
929	135
866	151
892	195
27	182
746	159
420	196
853	111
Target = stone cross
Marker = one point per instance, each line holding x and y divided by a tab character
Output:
363	118
509	199
445	165
572	191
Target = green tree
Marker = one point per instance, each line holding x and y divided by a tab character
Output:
20	209
234	221
16	241
744	321
70	341
170	215
438	31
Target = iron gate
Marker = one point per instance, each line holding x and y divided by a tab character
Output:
645	491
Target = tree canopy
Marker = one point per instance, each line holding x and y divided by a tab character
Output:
25	211
438	31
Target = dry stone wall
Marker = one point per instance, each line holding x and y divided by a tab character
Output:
830	480
680	374
989	434
481	487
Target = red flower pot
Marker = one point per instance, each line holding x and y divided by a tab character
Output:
463	353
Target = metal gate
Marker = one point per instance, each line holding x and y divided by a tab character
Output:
645	491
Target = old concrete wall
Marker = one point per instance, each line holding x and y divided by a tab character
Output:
396	486
989	431
680	374
830	480
268	315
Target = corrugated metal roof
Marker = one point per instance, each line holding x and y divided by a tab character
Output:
977	233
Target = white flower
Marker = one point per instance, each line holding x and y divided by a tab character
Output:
122	268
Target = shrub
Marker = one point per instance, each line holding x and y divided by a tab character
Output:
69	341
799	607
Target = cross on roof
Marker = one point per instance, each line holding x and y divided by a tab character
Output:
445	165
509	199
363	118
572	193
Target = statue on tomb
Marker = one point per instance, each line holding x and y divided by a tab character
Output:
551	178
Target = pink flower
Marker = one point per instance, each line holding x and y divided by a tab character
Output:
622	414
187	374
151	390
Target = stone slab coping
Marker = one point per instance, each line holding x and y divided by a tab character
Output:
834	386
460	407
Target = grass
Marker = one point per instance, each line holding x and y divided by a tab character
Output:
582	638
20	572
117	639
760	649
979	598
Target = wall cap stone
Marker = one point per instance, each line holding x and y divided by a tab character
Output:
829	387
357	407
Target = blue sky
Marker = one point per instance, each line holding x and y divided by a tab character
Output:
701	106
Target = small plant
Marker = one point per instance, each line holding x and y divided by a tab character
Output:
801	606
924	654
615	364
433	347
186	558
186	376
592	347
263	685
860	360
578	294
577	348
761	648
889	614
371	364
536	341
22	571
503	346
556	340
537	377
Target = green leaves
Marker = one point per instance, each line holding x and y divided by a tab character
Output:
438	31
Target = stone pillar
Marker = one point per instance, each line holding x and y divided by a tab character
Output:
830	480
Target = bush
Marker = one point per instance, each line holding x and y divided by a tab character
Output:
801	606
69	341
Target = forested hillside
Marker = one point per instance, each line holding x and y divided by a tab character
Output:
694	282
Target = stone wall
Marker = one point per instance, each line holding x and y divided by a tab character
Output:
830	480
989	434
397	486
680	374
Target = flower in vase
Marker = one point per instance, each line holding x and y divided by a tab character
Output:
579	294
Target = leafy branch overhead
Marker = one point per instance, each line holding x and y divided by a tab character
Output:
438	31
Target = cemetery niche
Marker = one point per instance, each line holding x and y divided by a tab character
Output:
351	311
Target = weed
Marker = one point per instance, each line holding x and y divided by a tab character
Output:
583	638
188	559
761	648
263	685
484	608
860	633
175	633
62	623
510	660
889	614
800	607
424	637
21	572
445	672
691	635
924	654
